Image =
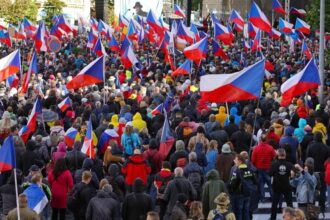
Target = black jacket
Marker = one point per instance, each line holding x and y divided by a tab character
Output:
102	206
280	170
177	155
87	165
8	197
136	206
85	194
241	141
319	152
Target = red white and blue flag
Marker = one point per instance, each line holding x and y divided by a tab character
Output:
218	51
197	51
12	81
178	11
5	38
129	59
252	30
166	140
184	33
296	11
285	27
259	19
40	38
277	6
33	69
306	79
30	127
63	24
275	34
88	146
222	33
99	48
65	104
70	136
28	26
93	73
184	69
113	45
233	87
10	65
256	45
7	155
302	26
105	138
236	18
305	50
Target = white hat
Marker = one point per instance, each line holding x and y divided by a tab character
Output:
129	124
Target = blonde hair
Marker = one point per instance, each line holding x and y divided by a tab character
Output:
103	182
213	144
299	214
196	211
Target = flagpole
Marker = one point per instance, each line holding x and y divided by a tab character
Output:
254	123
321	50
16	192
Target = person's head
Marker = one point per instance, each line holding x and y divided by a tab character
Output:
107	188
245	155
86	177
128	128
213	145
179	145
59	167
318	120
153	144
36	178
299	214
241	125
309	163
281	153
103	182
212	118
200	130
178	172
34	169
288	213
22	200
263	138
152	215
192	157
226	149
166	165
318	136
196	210
222	200
138	185
239	159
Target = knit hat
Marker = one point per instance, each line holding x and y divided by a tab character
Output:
226	148
222	199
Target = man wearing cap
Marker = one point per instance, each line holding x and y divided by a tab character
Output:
222	201
224	162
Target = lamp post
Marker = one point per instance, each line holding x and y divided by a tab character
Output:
189	7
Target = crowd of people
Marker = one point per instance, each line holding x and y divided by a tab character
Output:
223	156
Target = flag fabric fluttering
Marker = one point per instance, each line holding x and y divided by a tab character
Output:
91	74
285	27
88	145
166	140
65	104
184	69
223	34
298	84
233	87
70	136
7	155
128	58
40	38
197	51
259	19
106	136
178	11
277	6
218	51
296	11
305	50
5	38
10	65
302	26
33	69
99	48
236	18
37	199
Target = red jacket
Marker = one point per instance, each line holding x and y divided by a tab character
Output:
163	177
262	156
60	188
327	172
135	167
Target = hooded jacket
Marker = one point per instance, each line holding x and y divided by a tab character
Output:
289	143
114	121
262	156
117	181
60	152
135	167
321	128
221	116
299	132
233	111
211	189
87	165
138	122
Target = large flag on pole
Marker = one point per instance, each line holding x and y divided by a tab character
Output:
10	64
7	155
166	140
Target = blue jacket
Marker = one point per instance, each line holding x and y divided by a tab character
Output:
300	132
211	157
305	185
191	168
130	142
233	111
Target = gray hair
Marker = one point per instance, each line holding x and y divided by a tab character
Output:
179	145
178	171
192	156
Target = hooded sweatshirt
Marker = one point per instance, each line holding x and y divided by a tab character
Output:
135	167
221	116
233	111
114	121
299	132
322	129
138	122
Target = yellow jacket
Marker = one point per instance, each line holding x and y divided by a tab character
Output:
138	122
321	128
221	116
114	121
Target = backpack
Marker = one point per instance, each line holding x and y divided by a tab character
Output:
247	186
195	179
73	199
164	181
181	162
218	215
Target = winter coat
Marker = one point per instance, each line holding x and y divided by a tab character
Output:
211	189
241	141
262	156
179	212
299	132
75	159
210	126
222	116
321	128
154	159
211	157
243	171
290	144
177	155
102	206
162	179
60	153
305	185
230	129
130	142
138	122
29	158
221	136
135	167
60	187
320	153
327	172
224	164
114	121
84	194
8	196
117	181
24	212
136	206
87	165
176	186
194	140
192	167
233	111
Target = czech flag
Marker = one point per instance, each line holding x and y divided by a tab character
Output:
277	6
217	50
252	30
259	19
296	11
70	136
256	45
63	24
19	33
223	34
10	65
155	23
285	27
33	69
103	28
197	51
194	30
236	18
184	69
124	45
306	79
128	58
94	24
65	104
246	46
113	45
178	11
92	38
30	127
37	199
166	139
233	87
99	48
5	38
28	26
275	34
92	73
214	19
306	51
131	32
40	38
88	145
238	28
123	21
302	26
158	109
184	33
12	81
106	136
7	155
269	66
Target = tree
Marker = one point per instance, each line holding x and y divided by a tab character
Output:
313	15
14	12
52	8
